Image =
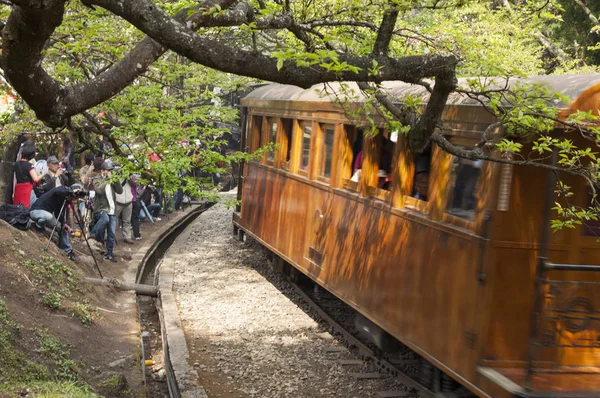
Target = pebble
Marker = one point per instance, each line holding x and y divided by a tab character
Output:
245	333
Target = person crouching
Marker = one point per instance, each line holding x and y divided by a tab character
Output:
104	209
49	210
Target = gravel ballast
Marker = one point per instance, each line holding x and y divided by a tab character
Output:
246	333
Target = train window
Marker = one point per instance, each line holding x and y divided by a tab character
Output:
357	152
385	163
306	133
255	133
465	176
287	126
328	132
272	138
420	186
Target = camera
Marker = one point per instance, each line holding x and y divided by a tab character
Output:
77	192
80	194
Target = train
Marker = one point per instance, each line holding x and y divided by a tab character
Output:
451	257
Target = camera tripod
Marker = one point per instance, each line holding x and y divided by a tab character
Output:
79	220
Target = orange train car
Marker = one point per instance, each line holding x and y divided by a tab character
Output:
449	256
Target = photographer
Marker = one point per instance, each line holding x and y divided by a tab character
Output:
56	177
104	209
46	211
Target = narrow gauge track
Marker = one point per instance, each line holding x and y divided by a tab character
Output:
153	346
324	304
414	369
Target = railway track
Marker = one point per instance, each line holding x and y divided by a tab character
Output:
153	345
406	367
365	351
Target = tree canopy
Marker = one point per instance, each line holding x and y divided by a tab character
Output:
147	59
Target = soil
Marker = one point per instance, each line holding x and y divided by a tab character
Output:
248	333
105	350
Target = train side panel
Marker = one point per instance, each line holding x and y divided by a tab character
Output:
411	287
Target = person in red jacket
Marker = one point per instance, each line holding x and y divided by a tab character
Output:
26	177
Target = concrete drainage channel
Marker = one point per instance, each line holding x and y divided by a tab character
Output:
160	378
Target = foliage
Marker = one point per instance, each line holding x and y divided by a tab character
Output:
54	389
574	31
58	352
59	289
55	279
174	102
52	299
85	313
15	367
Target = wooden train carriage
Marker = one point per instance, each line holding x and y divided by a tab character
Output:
451	274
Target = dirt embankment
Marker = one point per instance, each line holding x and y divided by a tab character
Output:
58	334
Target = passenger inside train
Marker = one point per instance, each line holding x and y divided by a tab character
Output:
467	173
421	177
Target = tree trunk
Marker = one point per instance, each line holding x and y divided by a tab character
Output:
9	156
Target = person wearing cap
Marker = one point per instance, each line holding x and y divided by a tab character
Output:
55	177
105	207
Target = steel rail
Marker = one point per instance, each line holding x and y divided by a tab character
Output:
149	262
387	366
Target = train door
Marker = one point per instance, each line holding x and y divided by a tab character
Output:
243	147
320	200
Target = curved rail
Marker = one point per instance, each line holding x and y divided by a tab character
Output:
148	264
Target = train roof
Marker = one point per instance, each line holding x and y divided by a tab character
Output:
572	86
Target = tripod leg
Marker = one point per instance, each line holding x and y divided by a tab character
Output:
147	212
55	225
79	220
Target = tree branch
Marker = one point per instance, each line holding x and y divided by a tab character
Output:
587	11
386	29
52	102
181	39
556	52
479	154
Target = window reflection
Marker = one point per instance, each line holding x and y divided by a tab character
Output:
463	200
328	151
306	133
272	138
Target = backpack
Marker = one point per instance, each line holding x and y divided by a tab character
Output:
16	215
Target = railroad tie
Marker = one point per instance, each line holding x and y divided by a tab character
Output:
392	394
350	362
403	361
365	376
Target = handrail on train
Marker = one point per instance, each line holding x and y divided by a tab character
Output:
571	267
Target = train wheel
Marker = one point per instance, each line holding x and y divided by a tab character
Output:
291	273
426	373
278	264
241	235
448	384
